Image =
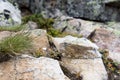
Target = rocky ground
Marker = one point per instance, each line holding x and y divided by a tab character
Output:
64	47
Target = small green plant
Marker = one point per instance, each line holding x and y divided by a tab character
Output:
15	45
12	28
38	53
44	23
54	32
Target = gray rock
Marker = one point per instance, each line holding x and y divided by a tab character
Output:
67	24
32	25
100	10
76	26
73	47
114	27
9	14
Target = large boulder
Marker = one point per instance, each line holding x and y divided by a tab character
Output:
81	57
29	68
73	47
9	14
88	69
100	10
39	41
79	27
106	40
82	27
114	27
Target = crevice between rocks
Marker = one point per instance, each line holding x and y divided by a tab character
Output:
70	75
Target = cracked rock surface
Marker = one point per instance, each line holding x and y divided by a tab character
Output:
29	68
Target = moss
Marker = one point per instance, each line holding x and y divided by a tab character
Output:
12	28
74	35
54	54
111	66
39	53
116	32
92	3
111	24
54	32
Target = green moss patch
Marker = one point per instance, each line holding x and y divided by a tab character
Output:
12	28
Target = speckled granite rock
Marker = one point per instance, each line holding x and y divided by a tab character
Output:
77	48
88	69
29	68
106	40
9	14
76	26
100	10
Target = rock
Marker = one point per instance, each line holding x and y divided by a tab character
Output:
105	39
53	13
89	69
76	26
5	34
67	24
93	10
99	10
73	47
39	41
9	14
32	25
29	68
83	27
114	27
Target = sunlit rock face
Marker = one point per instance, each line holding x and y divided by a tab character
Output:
99	10
77	48
9	14
29	68
106	40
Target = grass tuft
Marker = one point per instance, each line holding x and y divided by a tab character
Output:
15	45
12	28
